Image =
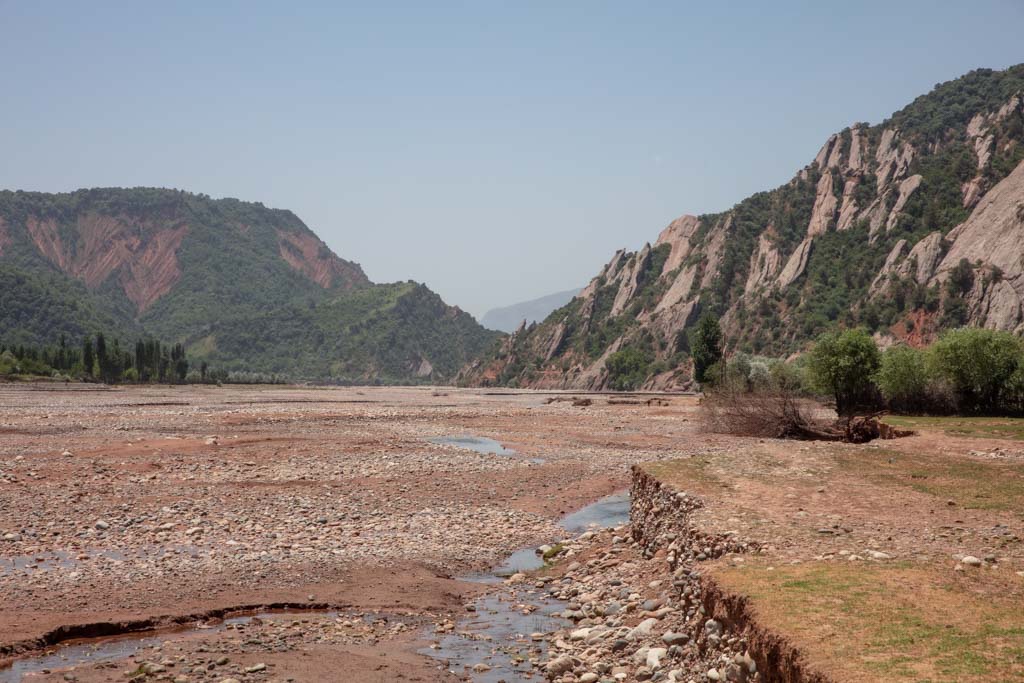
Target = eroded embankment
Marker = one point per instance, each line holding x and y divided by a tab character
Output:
722	625
167	623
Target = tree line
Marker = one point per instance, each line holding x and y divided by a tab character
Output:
966	371
97	360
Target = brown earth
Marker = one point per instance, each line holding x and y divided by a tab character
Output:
140	508
306	253
128	509
144	252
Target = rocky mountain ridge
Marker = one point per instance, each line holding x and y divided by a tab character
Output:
907	227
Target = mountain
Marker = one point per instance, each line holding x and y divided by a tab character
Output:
509	318
907	227
242	285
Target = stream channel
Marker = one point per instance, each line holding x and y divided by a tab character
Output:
497	633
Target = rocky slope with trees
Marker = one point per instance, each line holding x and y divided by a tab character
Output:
238	284
907	228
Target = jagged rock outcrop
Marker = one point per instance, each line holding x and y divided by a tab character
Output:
796	264
865	234
905	189
678	235
994	233
825	204
918	265
764	263
848	209
992	241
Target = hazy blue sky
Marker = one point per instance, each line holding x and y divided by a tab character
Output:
495	151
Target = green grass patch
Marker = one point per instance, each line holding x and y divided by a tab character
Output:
971	483
982	427
893	622
553	552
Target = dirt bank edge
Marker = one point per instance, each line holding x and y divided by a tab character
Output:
661	522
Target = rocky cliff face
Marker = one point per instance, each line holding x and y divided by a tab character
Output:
906	227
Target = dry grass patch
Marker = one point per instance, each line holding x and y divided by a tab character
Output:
981	427
969	482
696	473
893	622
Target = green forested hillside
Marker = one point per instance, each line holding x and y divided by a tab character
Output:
391	332
247	287
38	306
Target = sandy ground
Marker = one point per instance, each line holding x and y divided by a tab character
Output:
130	507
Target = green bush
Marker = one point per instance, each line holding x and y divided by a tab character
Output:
8	364
842	365
979	365
903	379
743	373
627	368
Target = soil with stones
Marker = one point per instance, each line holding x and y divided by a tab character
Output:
130	509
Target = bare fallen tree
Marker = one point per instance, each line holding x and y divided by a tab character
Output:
785	415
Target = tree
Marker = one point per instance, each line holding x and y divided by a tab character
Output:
903	378
842	365
87	356
164	361
978	364
961	278
62	354
101	357
180	362
705	346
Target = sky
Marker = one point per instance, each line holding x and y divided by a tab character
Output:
497	151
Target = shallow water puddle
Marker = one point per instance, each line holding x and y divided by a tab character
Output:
67	656
63	559
480	444
500	638
54	560
498	634
607	512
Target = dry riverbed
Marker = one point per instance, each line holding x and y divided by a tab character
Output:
129	509
306	534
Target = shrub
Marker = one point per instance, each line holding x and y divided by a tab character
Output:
979	365
627	368
8	363
771	414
